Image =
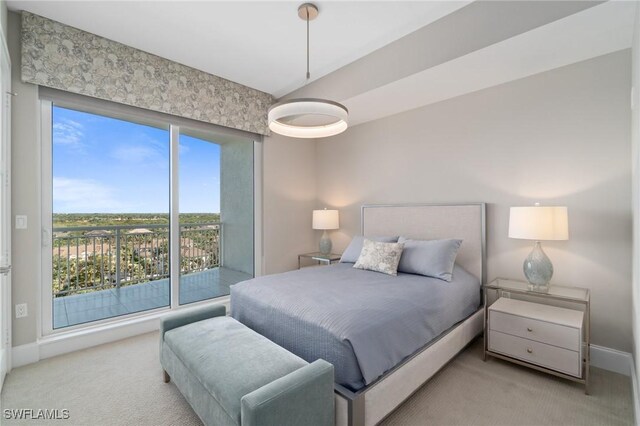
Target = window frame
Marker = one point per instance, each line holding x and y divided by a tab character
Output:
49	97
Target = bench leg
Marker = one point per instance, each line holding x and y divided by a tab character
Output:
165	376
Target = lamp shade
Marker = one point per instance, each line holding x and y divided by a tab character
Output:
325	219
539	223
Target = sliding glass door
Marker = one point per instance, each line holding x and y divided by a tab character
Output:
216	216
144	215
110	214
200	226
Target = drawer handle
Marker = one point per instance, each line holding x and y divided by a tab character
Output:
529	350
529	329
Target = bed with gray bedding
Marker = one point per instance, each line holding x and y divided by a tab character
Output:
363	322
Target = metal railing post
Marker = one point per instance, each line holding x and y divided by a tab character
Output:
117	258
220	245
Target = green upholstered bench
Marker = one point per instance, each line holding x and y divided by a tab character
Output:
232	375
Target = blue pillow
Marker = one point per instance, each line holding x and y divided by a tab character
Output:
432	258
352	253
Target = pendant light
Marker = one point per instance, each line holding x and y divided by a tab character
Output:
308	117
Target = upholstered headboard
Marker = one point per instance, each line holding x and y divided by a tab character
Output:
434	221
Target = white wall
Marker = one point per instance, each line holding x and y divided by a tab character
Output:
560	137
289	196
25	194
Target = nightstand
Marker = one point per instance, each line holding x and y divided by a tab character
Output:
530	329
322	259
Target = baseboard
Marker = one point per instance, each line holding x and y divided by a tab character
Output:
601	357
64	343
75	340
635	393
25	354
611	360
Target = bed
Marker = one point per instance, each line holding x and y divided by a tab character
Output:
385	335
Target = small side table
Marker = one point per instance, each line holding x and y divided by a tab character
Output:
576	296
322	259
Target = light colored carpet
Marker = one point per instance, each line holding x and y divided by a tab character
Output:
469	391
121	384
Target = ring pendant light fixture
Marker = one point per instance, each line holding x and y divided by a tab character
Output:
308	117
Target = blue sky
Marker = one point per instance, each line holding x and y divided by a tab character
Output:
104	165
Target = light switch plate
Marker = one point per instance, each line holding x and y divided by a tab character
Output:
21	221
21	310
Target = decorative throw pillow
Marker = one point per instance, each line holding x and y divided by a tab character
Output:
380	257
352	253
432	258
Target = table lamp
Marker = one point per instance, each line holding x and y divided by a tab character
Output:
325	220
538	223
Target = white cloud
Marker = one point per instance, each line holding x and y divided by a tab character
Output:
142	149
67	132
83	196
135	153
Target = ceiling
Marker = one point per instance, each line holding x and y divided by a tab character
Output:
260	44
360	48
596	31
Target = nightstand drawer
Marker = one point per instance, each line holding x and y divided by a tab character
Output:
552	357
532	329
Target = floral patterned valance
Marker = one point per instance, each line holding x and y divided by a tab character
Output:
66	58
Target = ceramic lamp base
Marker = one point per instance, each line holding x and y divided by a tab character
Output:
538	269
325	243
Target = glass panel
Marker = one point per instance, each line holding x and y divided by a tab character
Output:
216	219
110	239
555	291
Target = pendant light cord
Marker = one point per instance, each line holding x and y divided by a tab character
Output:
308	73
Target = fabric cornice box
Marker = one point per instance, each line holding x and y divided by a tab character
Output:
62	57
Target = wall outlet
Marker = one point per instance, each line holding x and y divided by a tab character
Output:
506	294
21	310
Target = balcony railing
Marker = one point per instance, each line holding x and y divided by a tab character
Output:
90	258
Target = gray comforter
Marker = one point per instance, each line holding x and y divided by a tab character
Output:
362	322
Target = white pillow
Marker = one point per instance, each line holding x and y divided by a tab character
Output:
380	257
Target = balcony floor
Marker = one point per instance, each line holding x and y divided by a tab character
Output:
101	304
